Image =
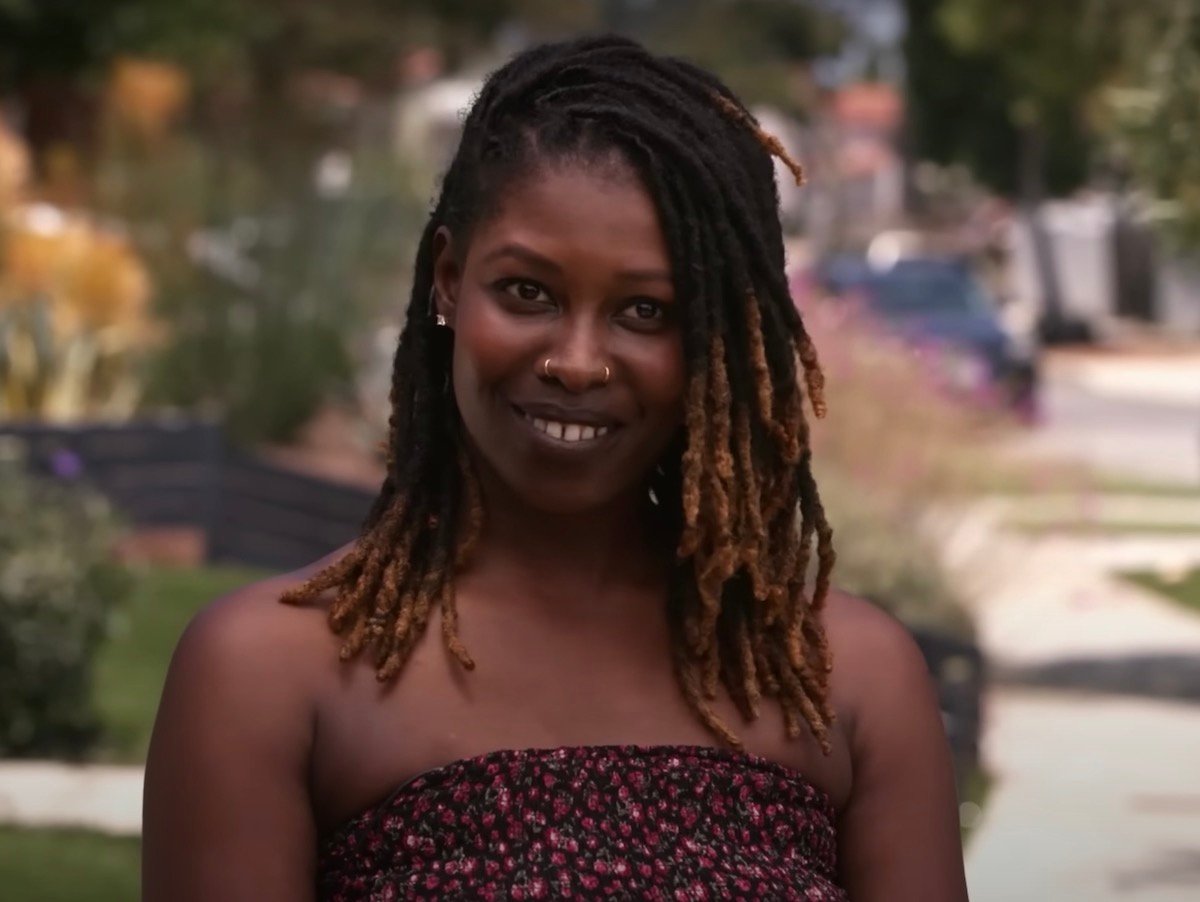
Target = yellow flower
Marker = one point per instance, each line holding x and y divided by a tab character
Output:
95	290
14	167
147	94
91	279
34	262
107	285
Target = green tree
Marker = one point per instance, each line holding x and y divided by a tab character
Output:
1008	88
761	47
52	52
1035	95
1153	112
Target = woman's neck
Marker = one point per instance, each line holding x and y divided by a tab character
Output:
617	543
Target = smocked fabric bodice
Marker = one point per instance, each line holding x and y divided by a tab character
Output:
622	822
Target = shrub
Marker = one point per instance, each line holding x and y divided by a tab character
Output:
893	428
59	586
885	560
269	277
896	454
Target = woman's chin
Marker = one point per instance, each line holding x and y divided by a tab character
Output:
573	503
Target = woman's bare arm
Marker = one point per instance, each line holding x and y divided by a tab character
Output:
899	835
227	815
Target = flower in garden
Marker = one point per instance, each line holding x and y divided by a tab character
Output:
14	167
108	285
40	244
91	277
66	464
147	95
77	296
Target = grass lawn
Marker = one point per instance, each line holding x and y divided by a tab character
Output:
131	666
1031	479
970	809
1186	591
67	866
1079	526
1118	486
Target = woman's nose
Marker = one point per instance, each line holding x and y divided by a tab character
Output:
578	362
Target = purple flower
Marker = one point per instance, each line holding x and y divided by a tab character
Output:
65	464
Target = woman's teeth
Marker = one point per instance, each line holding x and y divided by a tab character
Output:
569	432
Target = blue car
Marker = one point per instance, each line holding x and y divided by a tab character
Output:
936	303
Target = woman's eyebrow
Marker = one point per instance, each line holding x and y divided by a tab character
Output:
645	275
523	253
532	257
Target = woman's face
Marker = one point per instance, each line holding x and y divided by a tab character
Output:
571	268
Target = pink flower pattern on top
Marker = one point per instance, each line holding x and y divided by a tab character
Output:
626	822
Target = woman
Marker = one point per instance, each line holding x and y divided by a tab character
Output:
599	479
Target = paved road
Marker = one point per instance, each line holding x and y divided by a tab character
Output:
1123	418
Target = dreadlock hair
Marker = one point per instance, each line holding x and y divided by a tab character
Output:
738	494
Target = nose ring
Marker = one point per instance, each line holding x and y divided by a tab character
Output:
549	375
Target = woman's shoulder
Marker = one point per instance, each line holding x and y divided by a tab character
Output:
900	826
875	657
249	637
862	631
253	619
231	750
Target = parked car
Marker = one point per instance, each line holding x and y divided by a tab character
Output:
937	305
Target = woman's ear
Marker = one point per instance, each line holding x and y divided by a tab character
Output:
447	275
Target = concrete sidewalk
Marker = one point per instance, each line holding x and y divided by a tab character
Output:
1095	799
1037	599
1056	599
51	794
1097	793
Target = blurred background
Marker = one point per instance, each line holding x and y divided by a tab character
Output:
208	211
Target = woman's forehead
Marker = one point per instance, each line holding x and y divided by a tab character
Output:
607	210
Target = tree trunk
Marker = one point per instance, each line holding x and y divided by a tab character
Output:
1054	322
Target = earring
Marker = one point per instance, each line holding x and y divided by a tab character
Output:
438	319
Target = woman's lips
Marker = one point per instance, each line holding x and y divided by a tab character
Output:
562	426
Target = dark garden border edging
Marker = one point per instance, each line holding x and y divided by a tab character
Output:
960	673
182	472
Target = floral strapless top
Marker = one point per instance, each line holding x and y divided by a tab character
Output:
623	822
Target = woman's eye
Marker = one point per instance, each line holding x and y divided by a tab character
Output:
646	311
526	291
